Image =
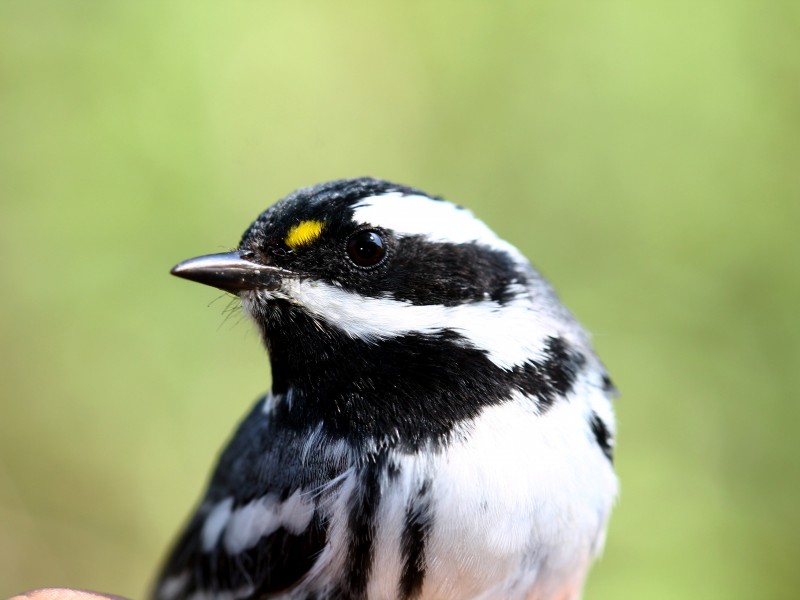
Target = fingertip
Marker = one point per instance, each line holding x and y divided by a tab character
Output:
64	594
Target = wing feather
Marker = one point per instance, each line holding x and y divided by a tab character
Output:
260	528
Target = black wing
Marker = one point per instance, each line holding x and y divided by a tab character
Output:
259	529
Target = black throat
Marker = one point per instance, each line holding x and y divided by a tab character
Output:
405	391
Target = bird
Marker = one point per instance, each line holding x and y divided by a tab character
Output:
438	423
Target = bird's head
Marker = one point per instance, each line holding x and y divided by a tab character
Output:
362	286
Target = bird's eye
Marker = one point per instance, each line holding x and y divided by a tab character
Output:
366	248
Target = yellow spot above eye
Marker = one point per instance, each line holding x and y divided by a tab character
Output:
303	234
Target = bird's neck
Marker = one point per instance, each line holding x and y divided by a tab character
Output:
411	389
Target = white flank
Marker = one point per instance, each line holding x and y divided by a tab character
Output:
521	504
333	559
518	505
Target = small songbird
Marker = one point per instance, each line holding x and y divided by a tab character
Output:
438	425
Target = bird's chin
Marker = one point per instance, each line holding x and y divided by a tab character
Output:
256	302
266	308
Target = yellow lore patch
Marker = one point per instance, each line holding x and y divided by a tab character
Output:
303	234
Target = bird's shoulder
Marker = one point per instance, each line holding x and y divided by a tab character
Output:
261	525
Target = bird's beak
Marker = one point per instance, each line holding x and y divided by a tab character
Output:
230	272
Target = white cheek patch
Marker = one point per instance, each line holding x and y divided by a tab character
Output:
436	220
510	333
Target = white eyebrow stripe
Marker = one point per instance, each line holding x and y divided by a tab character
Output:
436	220
510	333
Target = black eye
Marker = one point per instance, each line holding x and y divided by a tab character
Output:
366	248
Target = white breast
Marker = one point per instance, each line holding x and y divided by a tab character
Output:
520	506
519	502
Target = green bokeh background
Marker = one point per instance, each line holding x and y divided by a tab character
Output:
643	154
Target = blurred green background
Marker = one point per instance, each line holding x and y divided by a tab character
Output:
643	154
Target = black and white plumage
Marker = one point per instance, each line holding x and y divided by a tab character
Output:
438	424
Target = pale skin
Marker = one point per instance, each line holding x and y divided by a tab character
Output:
67	594
569	593
64	594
